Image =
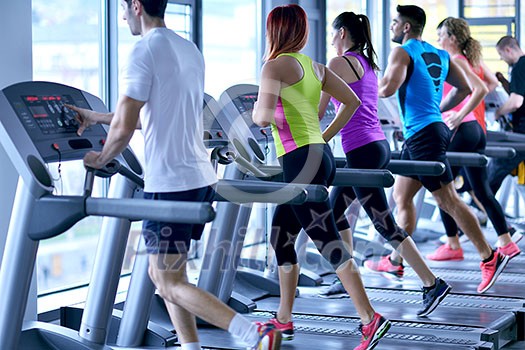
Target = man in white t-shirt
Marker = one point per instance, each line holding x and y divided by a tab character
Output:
162	88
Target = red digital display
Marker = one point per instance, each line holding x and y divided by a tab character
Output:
51	98
42	98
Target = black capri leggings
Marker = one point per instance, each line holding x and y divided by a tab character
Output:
375	155
469	137
311	164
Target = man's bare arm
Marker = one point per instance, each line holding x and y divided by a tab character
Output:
395	74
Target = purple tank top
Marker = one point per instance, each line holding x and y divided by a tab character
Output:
364	127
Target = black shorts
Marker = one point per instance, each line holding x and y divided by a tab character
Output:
169	237
430	144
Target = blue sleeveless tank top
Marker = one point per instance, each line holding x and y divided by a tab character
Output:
420	94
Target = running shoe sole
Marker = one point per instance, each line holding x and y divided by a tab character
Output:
286	337
379	334
334	296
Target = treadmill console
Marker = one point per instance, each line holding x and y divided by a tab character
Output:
214	134
493	101
386	109
245	105
388	113
329	116
48	113
50	125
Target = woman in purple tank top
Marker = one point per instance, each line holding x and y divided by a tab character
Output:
365	146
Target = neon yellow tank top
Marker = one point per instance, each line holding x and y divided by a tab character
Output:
296	115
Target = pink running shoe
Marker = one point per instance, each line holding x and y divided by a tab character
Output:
385	266
285	328
372	332
445	253
491	270
269	338
511	249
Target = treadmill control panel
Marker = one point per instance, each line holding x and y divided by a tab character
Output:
388	113
245	105
329	116
50	125
214	134
49	114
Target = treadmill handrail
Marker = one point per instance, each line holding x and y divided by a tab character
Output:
500	152
252	191
158	210
504	136
407	167
349	177
467	159
518	146
363	178
56	214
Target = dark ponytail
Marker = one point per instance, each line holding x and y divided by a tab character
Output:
358	27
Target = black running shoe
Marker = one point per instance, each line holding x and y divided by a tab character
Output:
432	296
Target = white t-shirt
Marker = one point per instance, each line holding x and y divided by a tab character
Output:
167	72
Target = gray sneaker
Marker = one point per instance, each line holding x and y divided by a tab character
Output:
335	291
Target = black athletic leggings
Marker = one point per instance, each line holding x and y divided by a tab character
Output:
469	137
311	164
375	155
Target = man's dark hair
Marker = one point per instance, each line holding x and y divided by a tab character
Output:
154	8
507	41
414	15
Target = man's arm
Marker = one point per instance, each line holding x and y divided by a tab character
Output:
456	77
514	102
395	74
517	91
123	124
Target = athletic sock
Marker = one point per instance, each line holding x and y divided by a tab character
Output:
243	329
490	257
190	346
429	288
393	262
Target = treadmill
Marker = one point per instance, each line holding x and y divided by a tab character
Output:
36	129
465	322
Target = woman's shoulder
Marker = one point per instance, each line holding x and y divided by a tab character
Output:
459	56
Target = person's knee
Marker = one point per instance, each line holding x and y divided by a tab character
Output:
395	237
403	202
169	285
336	253
167	279
448	201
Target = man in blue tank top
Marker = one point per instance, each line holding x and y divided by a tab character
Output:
416	71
